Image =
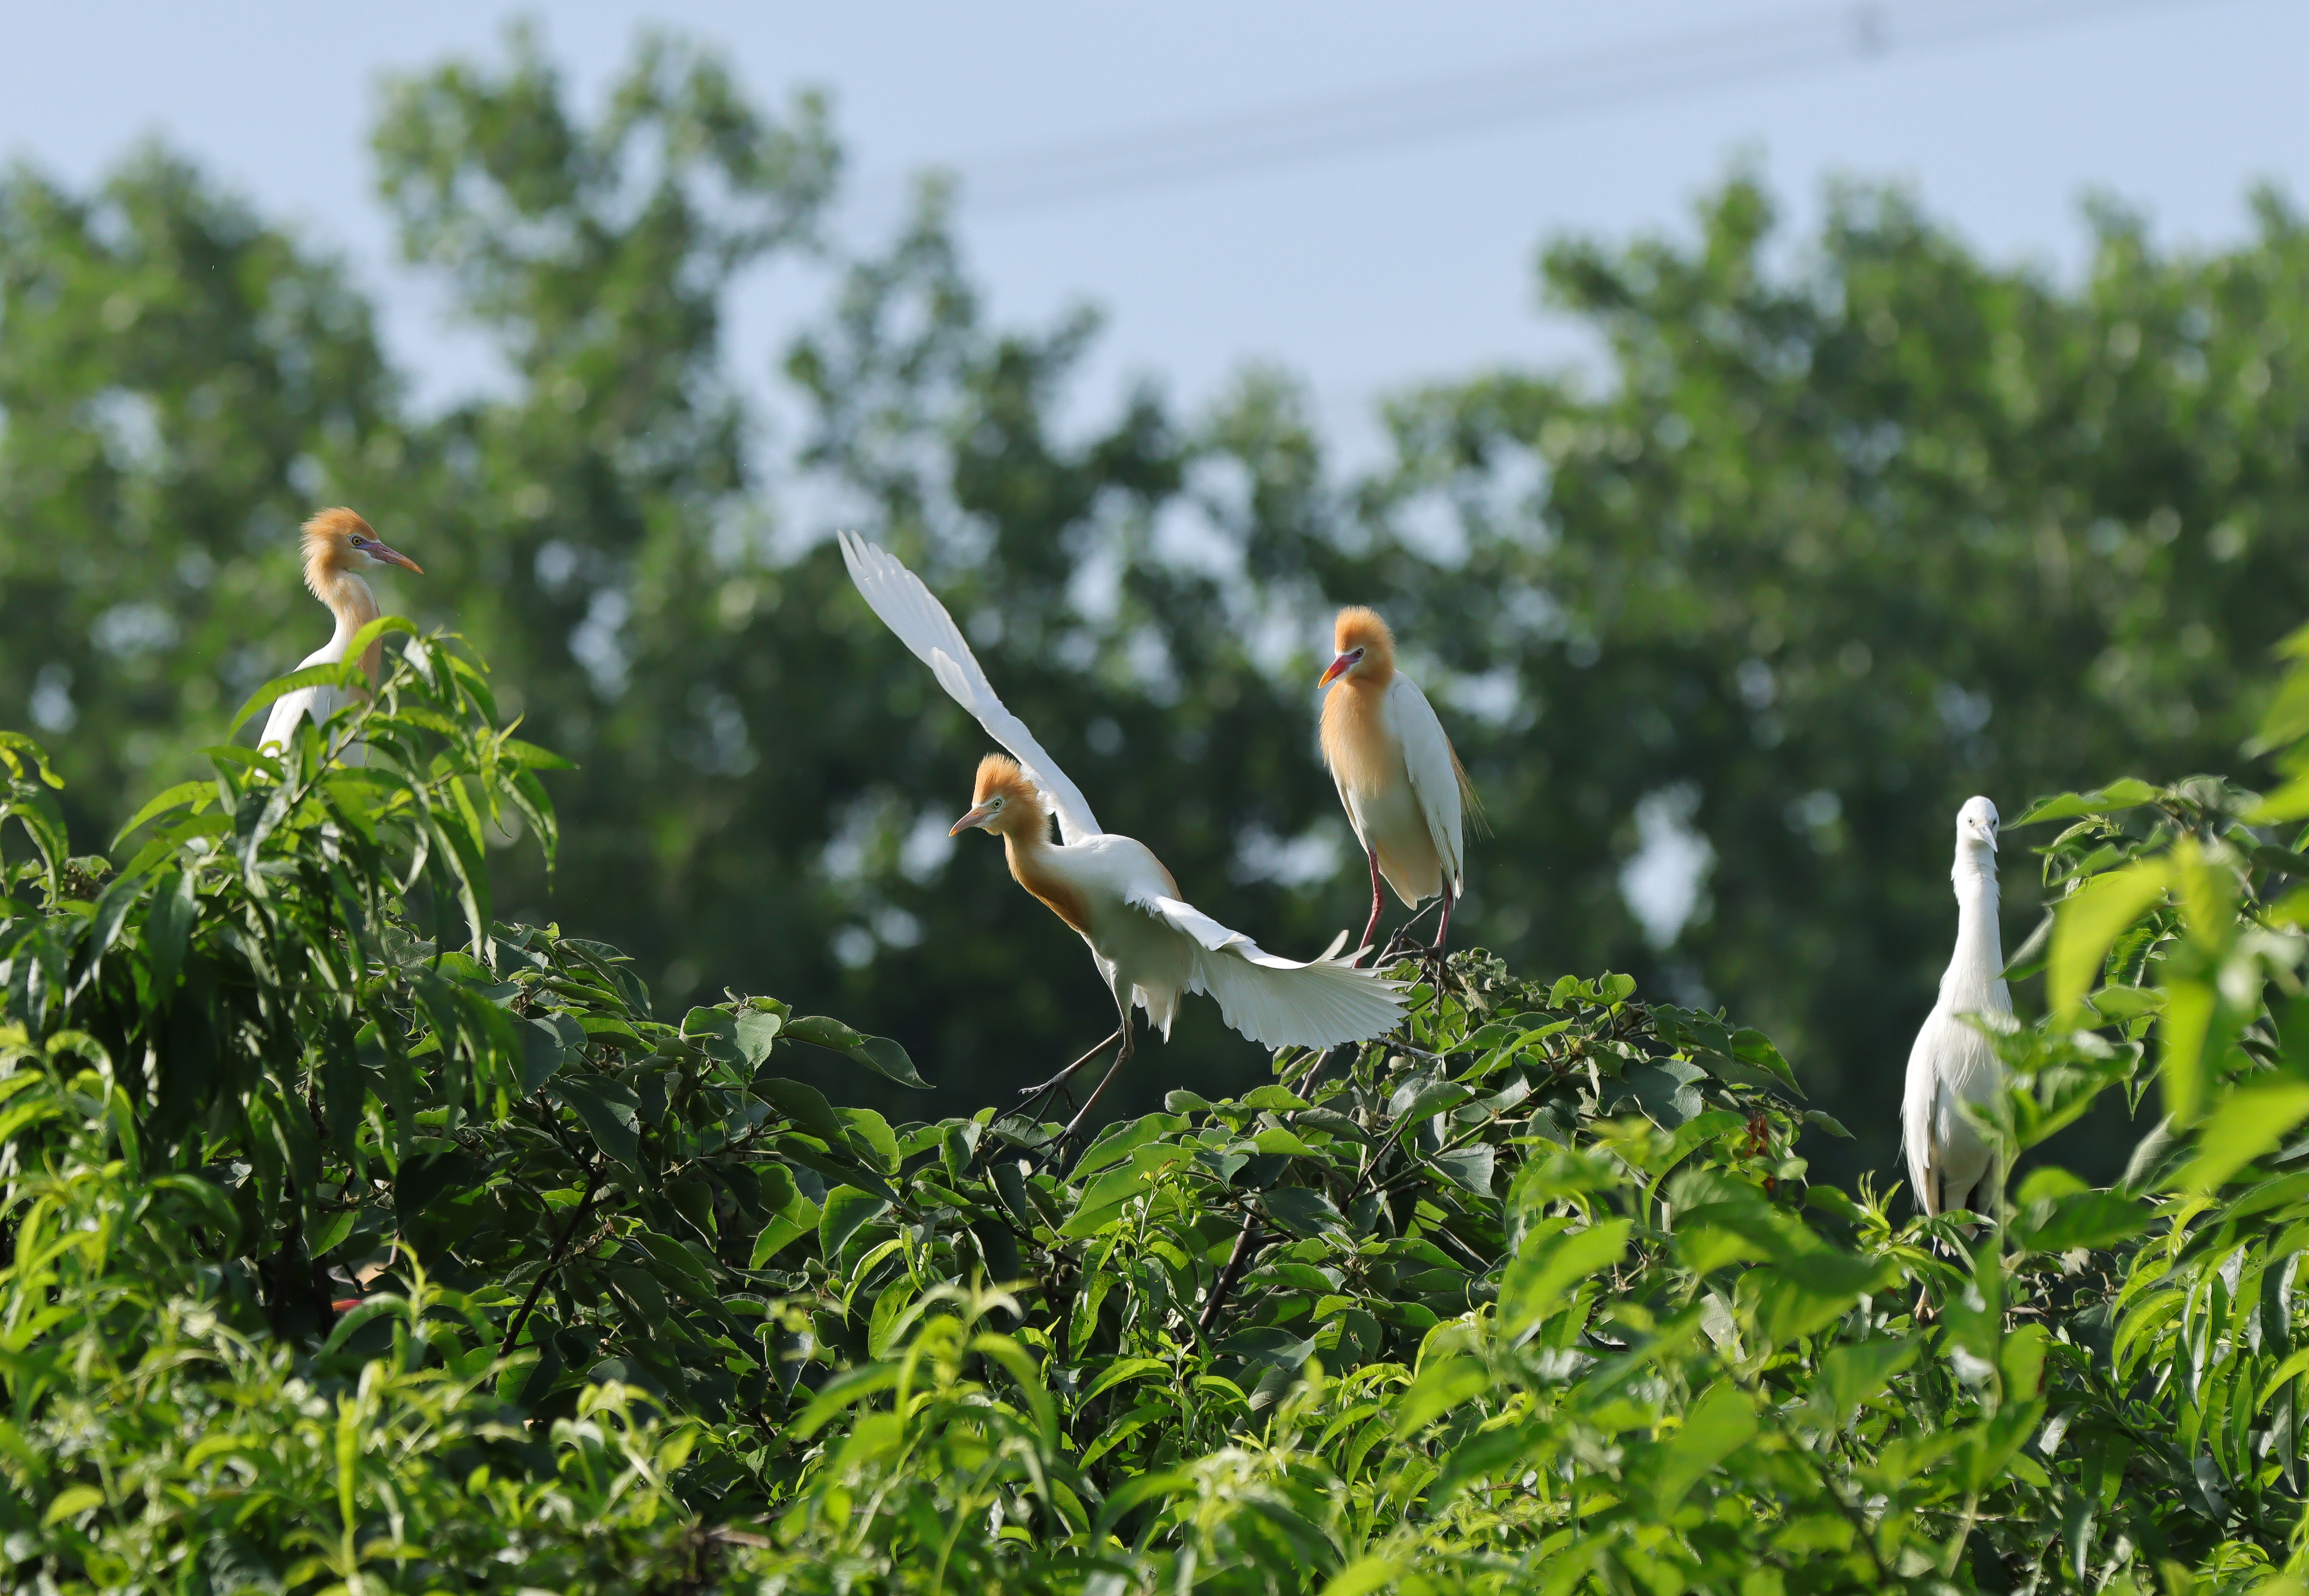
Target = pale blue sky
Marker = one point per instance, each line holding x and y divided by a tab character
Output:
1362	273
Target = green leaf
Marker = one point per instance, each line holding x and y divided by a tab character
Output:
167	931
847	1212
610	1110
870	1130
2086	1218
542	1054
1303	1210
756	1030
879	1054
70	1501
2128	793
1752	1047
807	1107
1430	1100
1440	1387
1467	1168
1105	1195
1856	1371
196	795
1549	1265
2089	920
844	1390
780	1233
529	756
2249	1122
347	675
1721	1422
1118	1141
1123	1370
1271	1100
1277	1140
1363	1576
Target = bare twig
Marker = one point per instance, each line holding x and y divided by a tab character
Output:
552	1260
1245	1244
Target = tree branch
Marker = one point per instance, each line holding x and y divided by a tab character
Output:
552	1260
1244	1245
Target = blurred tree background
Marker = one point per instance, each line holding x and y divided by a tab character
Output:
1850	528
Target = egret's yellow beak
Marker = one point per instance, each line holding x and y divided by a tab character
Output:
978	816
393	556
1341	666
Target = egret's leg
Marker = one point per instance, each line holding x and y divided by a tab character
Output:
1060	1078
1113	1070
1041	1095
1378	904
1434	957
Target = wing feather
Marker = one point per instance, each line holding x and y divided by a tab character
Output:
1434	774
913	614
1279	1002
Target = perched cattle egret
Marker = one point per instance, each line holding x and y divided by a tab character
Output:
338	547
1149	945
1952	1063
1397	771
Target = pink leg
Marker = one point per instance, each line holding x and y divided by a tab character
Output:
1378	903
1444	929
1120	1058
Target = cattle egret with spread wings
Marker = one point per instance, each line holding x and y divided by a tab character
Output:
1949	1162
1150	946
339	546
1396	772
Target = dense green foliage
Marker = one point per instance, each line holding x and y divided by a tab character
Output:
1852	527
353	1240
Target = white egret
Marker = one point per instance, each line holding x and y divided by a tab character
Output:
1397	771
338	547
1150	946
1949	1162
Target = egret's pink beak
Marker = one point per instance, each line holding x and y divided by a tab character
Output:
978	816
1340	667
393	556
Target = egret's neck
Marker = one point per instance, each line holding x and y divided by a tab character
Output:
1041	868
349	599
1358	743
1974	973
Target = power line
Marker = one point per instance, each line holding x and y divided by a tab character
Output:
1051	176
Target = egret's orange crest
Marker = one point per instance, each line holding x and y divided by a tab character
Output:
329	548
999	773
1361	628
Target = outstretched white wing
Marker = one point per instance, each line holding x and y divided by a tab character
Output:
1434	774
922	623
1275	1002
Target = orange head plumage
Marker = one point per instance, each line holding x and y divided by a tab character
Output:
1004	801
1364	646
339	543
338	547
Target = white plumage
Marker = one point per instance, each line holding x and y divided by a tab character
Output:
318	701
1951	1063
1398	778
1424	805
1150	946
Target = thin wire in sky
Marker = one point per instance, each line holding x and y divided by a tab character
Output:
1549	87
